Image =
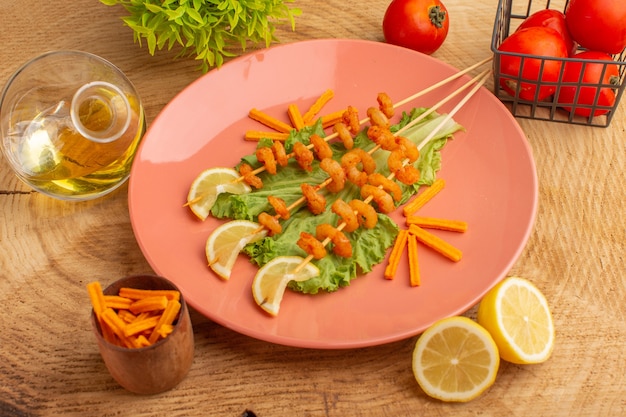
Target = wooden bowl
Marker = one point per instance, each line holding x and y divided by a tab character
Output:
156	368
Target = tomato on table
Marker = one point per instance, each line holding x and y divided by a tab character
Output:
598	25
541	42
554	19
421	25
589	74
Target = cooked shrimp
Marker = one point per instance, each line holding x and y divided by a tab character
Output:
280	207
365	214
409	148
377	117
311	245
279	153
341	244
315	202
382	137
385	105
395	161
271	223
249	178
408	175
266	157
359	178
392	187
383	200
337	175
344	135
303	155
321	147
351	119
343	210
353	161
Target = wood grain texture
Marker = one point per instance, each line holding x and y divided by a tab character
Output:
49	250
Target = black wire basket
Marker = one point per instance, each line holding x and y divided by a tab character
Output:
510	14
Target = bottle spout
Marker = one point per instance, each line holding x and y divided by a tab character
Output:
100	112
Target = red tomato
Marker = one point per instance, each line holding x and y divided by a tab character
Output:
554	19
598	25
538	41
593	73
421	25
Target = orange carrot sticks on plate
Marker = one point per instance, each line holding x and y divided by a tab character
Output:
423	198
317	106
331	119
295	116
436	243
414	269
396	254
256	135
437	223
269	121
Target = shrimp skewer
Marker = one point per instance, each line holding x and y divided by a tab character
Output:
341	244
480	80
349	220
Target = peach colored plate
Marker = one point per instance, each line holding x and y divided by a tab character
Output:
489	170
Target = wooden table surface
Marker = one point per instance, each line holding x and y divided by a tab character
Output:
49	250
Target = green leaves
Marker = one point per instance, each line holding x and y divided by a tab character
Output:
206	29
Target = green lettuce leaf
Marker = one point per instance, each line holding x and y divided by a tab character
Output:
369	245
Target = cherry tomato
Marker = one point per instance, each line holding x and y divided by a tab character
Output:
536	40
598	25
593	73
554	19
421	25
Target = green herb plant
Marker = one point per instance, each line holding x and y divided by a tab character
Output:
208	29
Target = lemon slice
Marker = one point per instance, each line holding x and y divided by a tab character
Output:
455	360
211	183
518	317
271	280
226	241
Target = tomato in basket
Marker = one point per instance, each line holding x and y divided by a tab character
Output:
554	19
598	25
588	75
525	62
421	25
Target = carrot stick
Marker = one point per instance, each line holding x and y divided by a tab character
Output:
331	119
317	106
165	330
139	326
117	325
254	135
269	121
117	302
98	303
148	304
94	289
126	315
137	294
396	254
295	116
437	223
141	341
423	198
167	318
436	243
414	270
